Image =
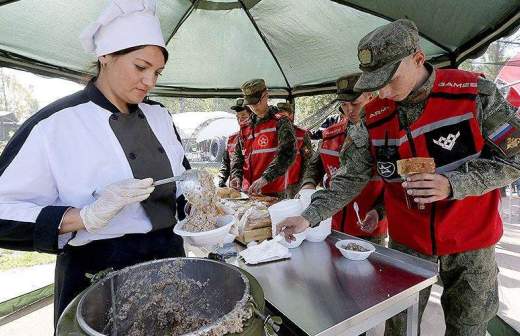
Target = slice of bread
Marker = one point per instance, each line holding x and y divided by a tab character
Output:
226	192
415	165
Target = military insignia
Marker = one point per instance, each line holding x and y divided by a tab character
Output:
385	169
447	142
365	56
507	138
342	83
263	141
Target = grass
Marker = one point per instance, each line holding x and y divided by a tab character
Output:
14	259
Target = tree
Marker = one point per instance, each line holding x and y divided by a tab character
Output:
497	54
15	97
312	110
180	105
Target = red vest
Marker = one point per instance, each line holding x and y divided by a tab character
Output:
232	143
259	148
449	132
295	171
346	220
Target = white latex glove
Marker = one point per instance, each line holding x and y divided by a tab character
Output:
113	199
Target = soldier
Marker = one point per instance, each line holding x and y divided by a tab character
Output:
242	114
266	146
459	119
326	161
303	151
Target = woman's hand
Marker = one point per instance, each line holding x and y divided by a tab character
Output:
112	200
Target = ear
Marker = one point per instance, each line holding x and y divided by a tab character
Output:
419	58
103	60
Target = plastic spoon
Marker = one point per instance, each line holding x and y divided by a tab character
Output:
356	209
191	174
188	175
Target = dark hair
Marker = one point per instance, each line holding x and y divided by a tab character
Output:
129	50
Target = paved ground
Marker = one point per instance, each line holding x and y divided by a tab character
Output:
508	257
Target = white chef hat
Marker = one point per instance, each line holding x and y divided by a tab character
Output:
123	24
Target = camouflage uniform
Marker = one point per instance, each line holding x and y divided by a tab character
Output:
285	153
470	297
315	171
314	175
225	169
306	153
225	166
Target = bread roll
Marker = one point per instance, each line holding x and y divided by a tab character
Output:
226	192
415	165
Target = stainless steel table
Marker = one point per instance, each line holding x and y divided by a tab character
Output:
322	293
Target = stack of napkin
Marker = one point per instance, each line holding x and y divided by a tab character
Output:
268	250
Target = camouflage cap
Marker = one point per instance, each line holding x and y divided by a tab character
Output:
285	106
381	51
253	90
345	87
239	105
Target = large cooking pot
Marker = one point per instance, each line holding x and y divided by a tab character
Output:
193	296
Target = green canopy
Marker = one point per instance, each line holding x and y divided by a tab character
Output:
299	47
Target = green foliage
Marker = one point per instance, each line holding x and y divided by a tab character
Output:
307	106
15	97
497	54
180	105
14	259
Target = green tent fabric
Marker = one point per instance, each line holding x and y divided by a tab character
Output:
299	46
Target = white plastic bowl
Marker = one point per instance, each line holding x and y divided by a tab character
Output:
319	233
284	209
355	255
229	238
207	238
300	237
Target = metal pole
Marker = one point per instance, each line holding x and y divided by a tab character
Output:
510	204
412	318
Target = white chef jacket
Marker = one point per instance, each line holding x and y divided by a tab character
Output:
64	153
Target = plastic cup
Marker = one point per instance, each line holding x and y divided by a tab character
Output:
305	197
282	210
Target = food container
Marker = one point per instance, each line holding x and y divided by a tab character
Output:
282	210
178	296
207	238
305	197
351	254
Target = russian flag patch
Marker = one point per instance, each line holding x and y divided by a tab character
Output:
507	137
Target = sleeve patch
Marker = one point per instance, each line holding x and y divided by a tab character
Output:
507	137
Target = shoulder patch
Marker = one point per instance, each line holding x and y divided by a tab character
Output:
485	86
507	139
378	110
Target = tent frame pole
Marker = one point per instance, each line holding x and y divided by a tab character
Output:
253	22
